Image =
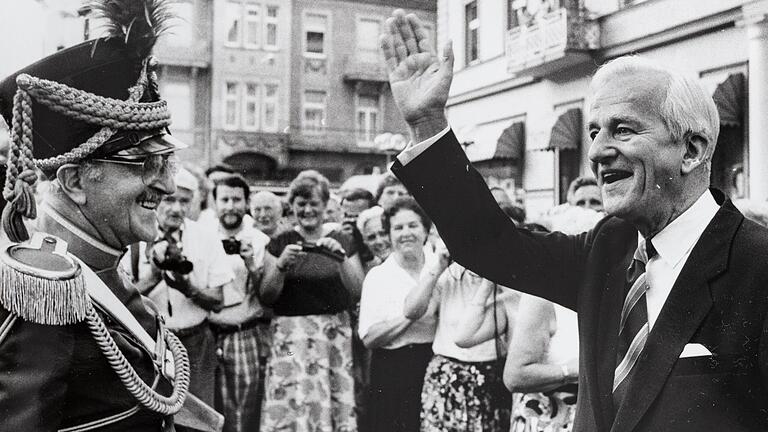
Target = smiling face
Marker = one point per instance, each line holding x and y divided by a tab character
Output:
309	211
638	167
266	211
122	205
376	238
407	233
230	205
174	208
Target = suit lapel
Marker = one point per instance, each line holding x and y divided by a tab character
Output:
682	314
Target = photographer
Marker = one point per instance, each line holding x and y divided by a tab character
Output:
185	274
312	278
241	326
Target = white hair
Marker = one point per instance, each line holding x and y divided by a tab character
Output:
687	107
367	215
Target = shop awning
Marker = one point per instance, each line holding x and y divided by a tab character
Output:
511	142
730	99
566	132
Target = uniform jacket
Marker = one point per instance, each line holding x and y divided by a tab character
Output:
720	300
55	377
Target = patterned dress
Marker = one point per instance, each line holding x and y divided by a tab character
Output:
309	385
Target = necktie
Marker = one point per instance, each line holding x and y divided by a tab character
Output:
633	327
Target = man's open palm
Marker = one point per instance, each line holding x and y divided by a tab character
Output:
420	81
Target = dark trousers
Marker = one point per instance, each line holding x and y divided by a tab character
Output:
201	348
397	377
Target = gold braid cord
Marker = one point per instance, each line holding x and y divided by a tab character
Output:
147	397
110	114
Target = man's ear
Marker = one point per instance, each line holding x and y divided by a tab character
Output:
696	148
71	182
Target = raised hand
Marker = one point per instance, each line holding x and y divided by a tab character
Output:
420	81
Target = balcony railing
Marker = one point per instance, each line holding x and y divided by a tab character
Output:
556	40
364	66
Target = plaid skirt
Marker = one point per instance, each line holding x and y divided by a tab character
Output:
464	397
309	385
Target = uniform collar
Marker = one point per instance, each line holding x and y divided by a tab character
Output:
92	251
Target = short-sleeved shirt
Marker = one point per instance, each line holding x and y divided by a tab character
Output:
313	286
384	291
241	305
203	248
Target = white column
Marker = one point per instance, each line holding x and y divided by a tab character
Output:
756	20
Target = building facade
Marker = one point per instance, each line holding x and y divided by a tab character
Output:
526	65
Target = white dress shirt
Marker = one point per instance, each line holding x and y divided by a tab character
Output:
674	244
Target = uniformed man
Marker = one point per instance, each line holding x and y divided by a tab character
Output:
79	348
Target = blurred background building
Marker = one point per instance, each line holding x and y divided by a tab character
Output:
273	87
518	99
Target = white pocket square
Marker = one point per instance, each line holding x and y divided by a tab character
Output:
695	350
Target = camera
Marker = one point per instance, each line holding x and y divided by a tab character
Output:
173	260
310	247
231	246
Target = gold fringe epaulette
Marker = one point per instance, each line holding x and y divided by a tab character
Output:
40	283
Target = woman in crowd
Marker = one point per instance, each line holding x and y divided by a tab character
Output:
309	385
401	347
463	388
376	238
543	367
543	363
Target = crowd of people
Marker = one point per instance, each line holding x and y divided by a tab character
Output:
302	315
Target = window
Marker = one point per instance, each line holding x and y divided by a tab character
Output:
367	122
270	108
178	95
368	39
231	105
180	33
314	111
471	25
270	29
252	26
314	35
233	17
251	107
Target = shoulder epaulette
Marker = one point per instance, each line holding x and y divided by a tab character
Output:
41	283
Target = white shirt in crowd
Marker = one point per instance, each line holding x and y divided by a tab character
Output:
203	248
239	305
452	296
383	298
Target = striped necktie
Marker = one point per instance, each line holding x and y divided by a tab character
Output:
633	327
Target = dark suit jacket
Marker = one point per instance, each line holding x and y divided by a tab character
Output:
719	300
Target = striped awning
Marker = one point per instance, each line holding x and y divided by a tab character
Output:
730	98
511	142
567	131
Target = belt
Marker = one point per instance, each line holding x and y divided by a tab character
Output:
183	332
234	328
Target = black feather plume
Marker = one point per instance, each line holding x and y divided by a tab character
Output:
137	22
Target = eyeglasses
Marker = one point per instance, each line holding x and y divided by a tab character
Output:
152	166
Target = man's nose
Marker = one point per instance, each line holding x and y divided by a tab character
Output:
600	150
164	183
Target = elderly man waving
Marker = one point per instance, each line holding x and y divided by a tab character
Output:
670	288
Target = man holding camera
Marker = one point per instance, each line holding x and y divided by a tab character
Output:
184	272
243	323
